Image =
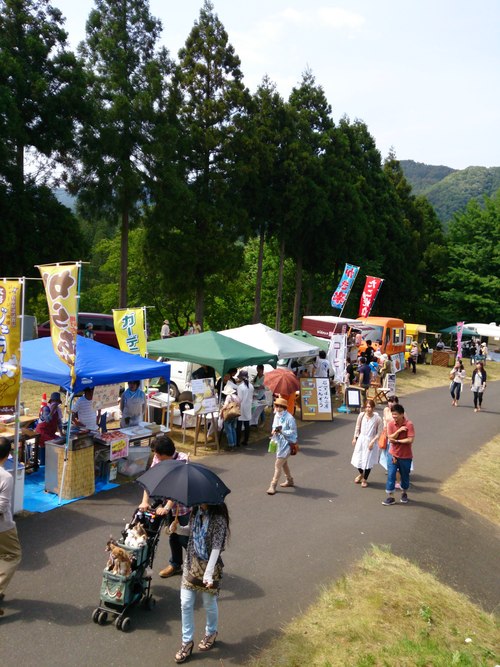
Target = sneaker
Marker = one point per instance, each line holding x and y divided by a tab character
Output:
404	498
389	501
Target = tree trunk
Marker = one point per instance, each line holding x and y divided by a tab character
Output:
298	294
124	259
279	297
258	282
199	310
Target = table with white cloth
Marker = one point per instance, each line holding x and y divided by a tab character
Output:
258	408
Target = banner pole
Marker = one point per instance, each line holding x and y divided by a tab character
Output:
72	375
18	399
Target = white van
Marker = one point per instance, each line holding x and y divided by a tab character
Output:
180	376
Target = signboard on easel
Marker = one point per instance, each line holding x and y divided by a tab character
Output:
315	399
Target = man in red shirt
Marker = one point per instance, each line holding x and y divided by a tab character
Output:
400	433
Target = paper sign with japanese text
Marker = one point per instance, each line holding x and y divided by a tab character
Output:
315	399
129	329
10	344
118	449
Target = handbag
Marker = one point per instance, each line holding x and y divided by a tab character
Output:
382	440
294	448
232	411
197	572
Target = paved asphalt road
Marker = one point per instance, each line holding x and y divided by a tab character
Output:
283	549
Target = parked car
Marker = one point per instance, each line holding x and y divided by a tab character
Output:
102	326
180	376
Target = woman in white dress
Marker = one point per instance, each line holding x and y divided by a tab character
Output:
365	442
245	394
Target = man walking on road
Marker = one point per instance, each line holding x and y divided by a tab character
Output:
400	433
10	548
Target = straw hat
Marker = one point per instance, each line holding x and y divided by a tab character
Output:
281	402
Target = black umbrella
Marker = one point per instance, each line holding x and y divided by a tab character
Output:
187	483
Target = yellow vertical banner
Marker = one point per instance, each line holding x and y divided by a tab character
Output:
129	329
61	289
10	344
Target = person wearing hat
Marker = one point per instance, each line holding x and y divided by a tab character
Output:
89	333
385	367
230	421
49	423
284	433
165	329
245	394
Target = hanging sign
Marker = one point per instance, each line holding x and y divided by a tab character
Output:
339	297
61	288
129	329
10	344
370	291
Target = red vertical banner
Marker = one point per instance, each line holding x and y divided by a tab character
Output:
370	291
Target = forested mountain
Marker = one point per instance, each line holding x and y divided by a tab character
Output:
450	190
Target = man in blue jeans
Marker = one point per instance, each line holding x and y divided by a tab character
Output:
400	433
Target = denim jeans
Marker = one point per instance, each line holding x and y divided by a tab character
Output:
188	599
230	431
455	390
176	544
404	466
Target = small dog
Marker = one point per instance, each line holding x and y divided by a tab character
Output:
135	536
119	561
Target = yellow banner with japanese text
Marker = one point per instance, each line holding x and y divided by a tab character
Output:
61	289
10	344
129	329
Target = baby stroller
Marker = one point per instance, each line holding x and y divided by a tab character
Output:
128	582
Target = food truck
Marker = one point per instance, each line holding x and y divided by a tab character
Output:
414	332
389	333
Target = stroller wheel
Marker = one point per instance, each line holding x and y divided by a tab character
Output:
102	617
125	624
95	615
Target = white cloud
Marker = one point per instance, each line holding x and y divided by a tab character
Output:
335	17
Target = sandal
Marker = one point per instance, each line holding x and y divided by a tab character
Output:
357	480
207	642
184	652
364	484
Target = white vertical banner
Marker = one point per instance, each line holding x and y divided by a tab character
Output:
337	356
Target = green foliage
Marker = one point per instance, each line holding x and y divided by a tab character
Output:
125	72
471	286
423	176
449	190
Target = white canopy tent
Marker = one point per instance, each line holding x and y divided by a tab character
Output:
272	341
488	330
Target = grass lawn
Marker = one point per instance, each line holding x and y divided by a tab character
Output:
361	621
428	377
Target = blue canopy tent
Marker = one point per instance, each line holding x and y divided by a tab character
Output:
96	364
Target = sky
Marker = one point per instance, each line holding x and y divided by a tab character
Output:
424	75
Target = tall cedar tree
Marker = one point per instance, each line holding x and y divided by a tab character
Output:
307	203
41	88
258	176
212	93
125	71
